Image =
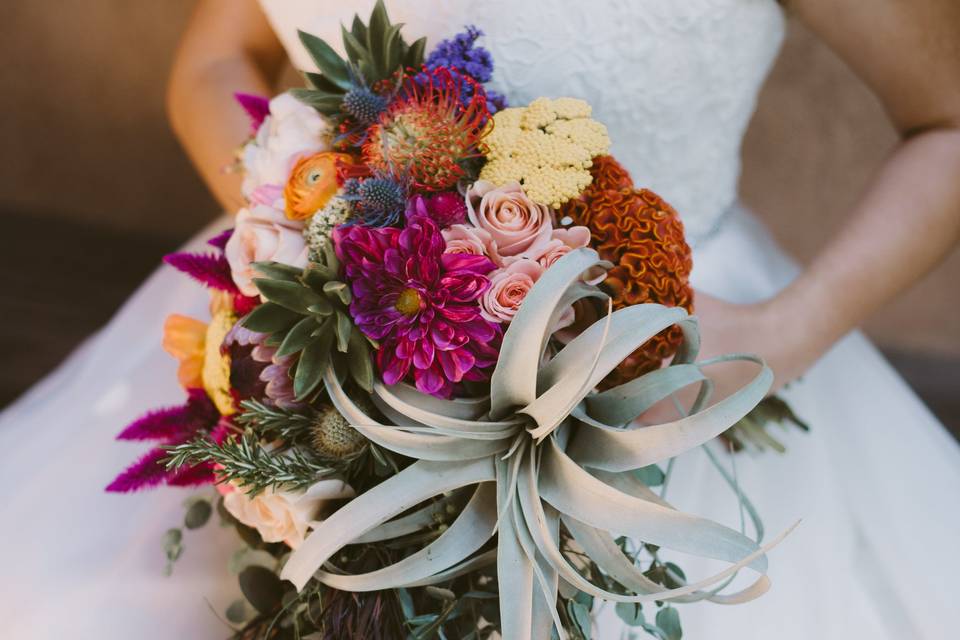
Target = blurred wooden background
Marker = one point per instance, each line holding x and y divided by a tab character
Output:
91	176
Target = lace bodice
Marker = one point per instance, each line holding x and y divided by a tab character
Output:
675	81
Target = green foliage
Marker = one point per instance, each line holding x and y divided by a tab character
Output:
245	461
652	475
275	423
752	431
172	548
198	514
307	312
376	51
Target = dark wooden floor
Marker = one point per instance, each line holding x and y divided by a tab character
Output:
50	302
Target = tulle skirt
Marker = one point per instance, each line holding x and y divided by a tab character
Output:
876	483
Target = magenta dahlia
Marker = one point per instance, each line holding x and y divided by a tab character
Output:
421	305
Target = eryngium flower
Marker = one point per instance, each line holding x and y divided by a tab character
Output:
421	304
428	133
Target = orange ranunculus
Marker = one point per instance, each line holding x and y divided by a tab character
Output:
312	183
184	338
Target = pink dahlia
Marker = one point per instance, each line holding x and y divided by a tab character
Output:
420	303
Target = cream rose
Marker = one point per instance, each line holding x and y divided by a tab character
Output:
520	227
263	234
284	516
508	288
293	129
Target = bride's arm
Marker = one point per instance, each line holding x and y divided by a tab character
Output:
228	47
906	221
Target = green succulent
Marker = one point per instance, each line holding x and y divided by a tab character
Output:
307	312
375	52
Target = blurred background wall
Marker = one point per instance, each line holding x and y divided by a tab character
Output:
87	163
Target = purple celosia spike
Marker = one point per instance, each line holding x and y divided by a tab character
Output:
160	424
220	240
142	474
191	476
257	107
210	270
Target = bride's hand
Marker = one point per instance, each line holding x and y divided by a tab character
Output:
726	327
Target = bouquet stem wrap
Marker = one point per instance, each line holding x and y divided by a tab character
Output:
542	449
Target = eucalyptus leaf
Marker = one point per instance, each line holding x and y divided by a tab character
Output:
330	64
630	613
668	619
652	475
581	616
237	612
198	514
269	318
261	587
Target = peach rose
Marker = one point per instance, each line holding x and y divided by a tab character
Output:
562	241
284	516
508	288
462	238
263	234
520	227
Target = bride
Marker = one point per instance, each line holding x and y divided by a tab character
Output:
877	479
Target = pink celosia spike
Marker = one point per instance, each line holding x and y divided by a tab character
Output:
144	473
220	240
257	107
210	270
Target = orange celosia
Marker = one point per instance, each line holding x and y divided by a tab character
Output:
312	183
643	237
184	338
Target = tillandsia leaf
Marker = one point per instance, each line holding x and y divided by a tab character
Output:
270	318
298	337
331	65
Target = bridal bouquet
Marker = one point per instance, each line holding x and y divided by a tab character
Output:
434	333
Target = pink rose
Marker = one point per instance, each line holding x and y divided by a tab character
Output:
263	234
562	242
462	238
508	288
520	227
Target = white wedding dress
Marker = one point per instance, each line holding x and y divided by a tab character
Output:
876	481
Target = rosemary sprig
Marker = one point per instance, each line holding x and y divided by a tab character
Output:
272	423
245	461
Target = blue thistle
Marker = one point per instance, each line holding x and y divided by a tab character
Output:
379	201
364	105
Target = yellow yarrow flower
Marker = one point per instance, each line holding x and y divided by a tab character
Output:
547	146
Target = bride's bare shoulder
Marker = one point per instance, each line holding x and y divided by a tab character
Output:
908	52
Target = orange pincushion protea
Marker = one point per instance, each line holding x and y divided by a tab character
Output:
313	181
643	237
